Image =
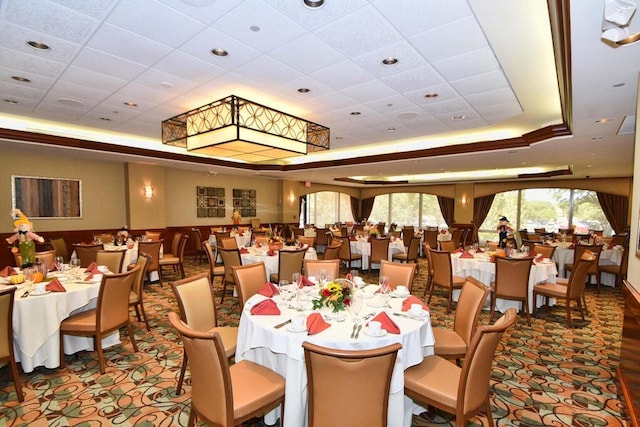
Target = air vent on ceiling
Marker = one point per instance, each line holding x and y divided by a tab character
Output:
628	126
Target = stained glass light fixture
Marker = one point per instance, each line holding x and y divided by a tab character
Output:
238	129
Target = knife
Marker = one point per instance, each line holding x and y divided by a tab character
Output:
407	316
358	331
26	294
280	325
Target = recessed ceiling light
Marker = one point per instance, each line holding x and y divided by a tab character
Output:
38	45
313	4
408	115
390	61
619	84
596	138
304	90
603	120
167	85
254	28
70	102
130	104
457	117
10	101
391	129
21	79
218	51
389	105
431	95
355	113
106	119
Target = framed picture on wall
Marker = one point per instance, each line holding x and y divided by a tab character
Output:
51	198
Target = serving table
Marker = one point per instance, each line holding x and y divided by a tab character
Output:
281	350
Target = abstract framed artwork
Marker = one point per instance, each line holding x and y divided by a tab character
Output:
50	198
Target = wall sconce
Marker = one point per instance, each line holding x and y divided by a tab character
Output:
292	198
148	192
464	200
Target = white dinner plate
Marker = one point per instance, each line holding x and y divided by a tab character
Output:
290	328
423	313
381	332
37	294
376	302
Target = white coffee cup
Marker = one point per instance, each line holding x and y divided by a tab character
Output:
103	268
40	288
416	309
375	327
299	322
402	290
97	278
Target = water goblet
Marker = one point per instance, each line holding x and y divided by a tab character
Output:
58	262
295	279
384	291
323	277
282	289
356	305
303	300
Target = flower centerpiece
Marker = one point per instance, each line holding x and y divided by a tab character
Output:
236	217
275	242
335	295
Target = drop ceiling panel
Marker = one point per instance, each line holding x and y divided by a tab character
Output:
40	66
189	67
15	37
91	79
410	17
307	54
342	75
101	62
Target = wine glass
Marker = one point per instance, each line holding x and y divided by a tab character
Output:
356	305
384	291
303	300
323	277
59	263
283	286
74	265
295	279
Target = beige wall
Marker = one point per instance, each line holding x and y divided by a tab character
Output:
633	273
144	213
103	189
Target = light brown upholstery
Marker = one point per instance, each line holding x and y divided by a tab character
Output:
60	247
153	250
463	391
619	270
289	262
175	260
215	270
448	245
175	246
572	291
153	235
224	395
346	255
6	338
443	275
398	273
261	238
454	343
312	267
512	282
111	259
228	243
309	241
407	235
104	238
431	238
198	310
456	237
362	375
577	255
412	252
230	258
546	251
322	238
111	314
48	258
492	245
87	253
136	295
379	251
332	252
249	279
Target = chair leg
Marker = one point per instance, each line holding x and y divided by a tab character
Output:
132	338
493	306
16	380
569	320
98	345
224	289
135	307
192	418
489	413
450	299
183	370
430	293
144	315
525	307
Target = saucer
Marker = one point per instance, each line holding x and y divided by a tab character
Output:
290	328
380	333
376	303
423	313
36	294
336	316
400	295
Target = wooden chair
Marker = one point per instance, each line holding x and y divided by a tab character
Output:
331	267
153	235
577	255
346	255
230	258
175	260
431	238
103	238
618	270
412	253
249	279
398	274
456	237
546	251
60	246
407	235
111	314
463	391
332	252
443	276
512	282
572	291
379	251
111	259
224	395
621	239
48	258
153	250
87	253
309	241
255	224
136	295
425	248
7	297
228	243
197	305
215	270
363	375
197	239
448	245
454	343
289	262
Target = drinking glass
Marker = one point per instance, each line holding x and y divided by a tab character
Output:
323	277
384	291
283	286
58	262
303	300
295	279
356	305
74	265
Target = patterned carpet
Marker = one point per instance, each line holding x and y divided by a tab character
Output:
543	375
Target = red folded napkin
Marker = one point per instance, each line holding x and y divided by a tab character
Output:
92	269
267	306
571	246
268	290
539	258
459	250
466	254
55	286
7	271
353	239
533	254
244	250
406	304
387	323
306	282
492	259
315	324
271	252
479	250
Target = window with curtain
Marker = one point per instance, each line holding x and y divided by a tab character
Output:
328	207
417	209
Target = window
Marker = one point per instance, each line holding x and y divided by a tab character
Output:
417	209
328	207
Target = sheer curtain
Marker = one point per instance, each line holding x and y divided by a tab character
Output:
447	207
615	208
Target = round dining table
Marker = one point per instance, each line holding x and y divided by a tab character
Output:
252	255
563	255
280	349
363	247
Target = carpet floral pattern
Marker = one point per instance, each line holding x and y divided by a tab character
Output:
543	375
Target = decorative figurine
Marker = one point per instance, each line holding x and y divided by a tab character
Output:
25	237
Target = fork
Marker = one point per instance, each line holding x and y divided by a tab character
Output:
353	333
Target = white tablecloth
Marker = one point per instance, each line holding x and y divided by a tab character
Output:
563	256
485	271
364	248
270	262
36	325
281	351
131	257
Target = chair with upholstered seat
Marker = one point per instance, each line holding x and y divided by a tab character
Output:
153	235
571	291
230	258
48	258
310	242
260	238
398	273
618	270
136	295
249	279
431	238
111	259
462	391
425	248
379	251
87	253
331	267
197	240
448	245
363	375
454	343
153	250
176	259
224	395
407	234
60	246
228	243
412	253
443	275
198	310
346	255
580	249
289	262
103	238
255	224
7	297
332	252
546	251
512	282
111	314
215	270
